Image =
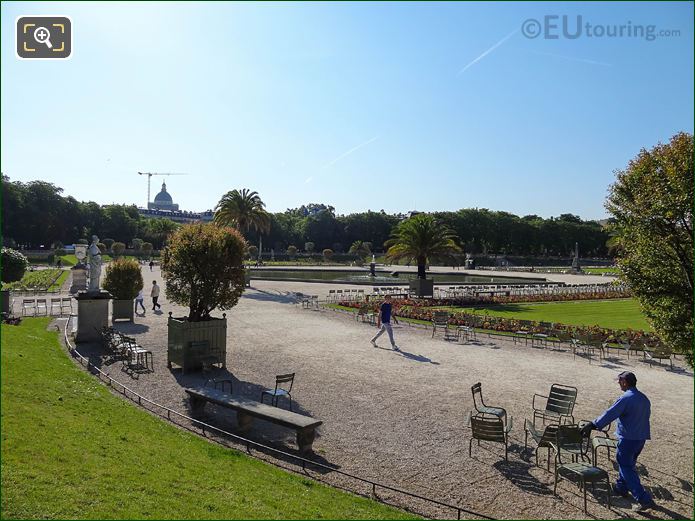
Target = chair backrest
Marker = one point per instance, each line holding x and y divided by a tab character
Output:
477	392
441	317
569	437
281	381
28	301
561	399
488	429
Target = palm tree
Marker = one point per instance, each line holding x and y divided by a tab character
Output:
244	210
420	238
361	248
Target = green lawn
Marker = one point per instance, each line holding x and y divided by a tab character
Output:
613	314
71	449
601	271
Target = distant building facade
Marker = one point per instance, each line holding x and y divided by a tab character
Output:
164	206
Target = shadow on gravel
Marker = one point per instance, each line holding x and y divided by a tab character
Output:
266	296
131	328
416	358
518	474
261	431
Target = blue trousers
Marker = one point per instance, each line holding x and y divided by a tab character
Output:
628	451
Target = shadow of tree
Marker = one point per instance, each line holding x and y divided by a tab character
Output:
267	296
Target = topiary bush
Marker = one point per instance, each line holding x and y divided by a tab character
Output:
14	265
102	247
203	268
117	248
123	279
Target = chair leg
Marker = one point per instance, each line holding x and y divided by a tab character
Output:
470	448
584	487
555	486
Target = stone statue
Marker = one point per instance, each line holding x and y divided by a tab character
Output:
94	265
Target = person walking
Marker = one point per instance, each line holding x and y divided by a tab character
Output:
151	264
139	301
155	296
632	411
384	322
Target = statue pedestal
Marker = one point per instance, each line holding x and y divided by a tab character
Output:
92	314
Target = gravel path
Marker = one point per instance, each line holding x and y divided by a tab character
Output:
399	418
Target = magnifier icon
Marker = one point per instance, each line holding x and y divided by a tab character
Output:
43	35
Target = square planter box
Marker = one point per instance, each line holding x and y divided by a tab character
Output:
422	287
123	310
181	333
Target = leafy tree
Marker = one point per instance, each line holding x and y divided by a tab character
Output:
14	265
652	203
253	251
203	268
123	278
117	248
137	244
147	248
309	247
292	251
327	254
158	230
244	210
420	239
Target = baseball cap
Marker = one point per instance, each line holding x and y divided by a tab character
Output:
629	377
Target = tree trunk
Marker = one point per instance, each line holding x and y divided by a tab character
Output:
421	263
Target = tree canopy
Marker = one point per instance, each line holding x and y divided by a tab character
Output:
652	204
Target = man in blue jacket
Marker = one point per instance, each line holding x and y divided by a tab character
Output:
632	411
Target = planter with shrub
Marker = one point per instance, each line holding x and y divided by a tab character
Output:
203	269
123	280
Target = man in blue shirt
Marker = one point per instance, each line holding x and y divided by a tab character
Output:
384	322
632	412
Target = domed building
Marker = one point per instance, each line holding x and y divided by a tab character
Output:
163	201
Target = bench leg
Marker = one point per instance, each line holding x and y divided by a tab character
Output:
305	438
244	421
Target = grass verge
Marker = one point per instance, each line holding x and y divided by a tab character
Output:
70	449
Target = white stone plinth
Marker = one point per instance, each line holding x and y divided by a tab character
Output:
92	315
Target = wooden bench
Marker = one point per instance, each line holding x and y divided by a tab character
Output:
248	409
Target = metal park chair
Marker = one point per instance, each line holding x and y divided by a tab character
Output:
569	441
559	404
490	429
283	387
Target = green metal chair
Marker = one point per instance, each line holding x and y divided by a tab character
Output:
559	404
570	442
490	429
605	441
543	439
479	403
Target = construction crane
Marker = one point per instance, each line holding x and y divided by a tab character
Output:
149	177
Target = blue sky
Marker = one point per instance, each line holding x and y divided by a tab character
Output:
394	106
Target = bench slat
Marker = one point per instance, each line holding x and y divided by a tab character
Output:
254	408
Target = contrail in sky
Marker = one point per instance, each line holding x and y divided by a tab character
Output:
572	58
353	149
487	52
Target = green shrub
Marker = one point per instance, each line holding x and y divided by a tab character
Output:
123	279
108	242
117	248
102	247
14	264
203	268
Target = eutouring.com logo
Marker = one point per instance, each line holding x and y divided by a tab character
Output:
554	27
